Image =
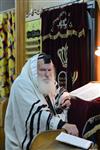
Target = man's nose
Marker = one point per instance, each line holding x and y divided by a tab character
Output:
47	73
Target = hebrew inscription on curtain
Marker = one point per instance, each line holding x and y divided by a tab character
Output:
64	37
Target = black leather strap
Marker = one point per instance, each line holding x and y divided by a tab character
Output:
50	105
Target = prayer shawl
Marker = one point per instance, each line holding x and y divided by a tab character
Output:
28	112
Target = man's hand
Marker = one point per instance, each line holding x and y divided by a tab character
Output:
65	100
71	129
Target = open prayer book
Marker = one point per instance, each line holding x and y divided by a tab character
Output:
74	140
87	92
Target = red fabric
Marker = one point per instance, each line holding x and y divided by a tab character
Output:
80	111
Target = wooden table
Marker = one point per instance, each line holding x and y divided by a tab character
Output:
46	141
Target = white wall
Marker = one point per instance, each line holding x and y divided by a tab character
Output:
6	4
38	4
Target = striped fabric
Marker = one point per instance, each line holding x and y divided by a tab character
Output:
28	112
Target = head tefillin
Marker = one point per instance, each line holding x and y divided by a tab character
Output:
45	57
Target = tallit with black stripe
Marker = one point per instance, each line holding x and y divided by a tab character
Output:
28	112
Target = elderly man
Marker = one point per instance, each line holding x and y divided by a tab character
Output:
36	104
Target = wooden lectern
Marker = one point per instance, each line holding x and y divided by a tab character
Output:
46	141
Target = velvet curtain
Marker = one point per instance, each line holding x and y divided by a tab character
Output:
64	37
7	52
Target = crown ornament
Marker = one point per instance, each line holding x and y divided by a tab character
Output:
62	54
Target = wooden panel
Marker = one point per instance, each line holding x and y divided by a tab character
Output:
2	141
3	106
21	9
20	35
97	58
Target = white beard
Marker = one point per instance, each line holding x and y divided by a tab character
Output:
47	87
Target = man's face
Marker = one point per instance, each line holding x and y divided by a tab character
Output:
46	78
45	71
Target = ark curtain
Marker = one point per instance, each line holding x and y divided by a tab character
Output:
64	37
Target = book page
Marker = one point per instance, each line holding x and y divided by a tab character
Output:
87	92
74	140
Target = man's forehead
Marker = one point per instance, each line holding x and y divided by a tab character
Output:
41	63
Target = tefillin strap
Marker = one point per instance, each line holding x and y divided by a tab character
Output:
50	105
